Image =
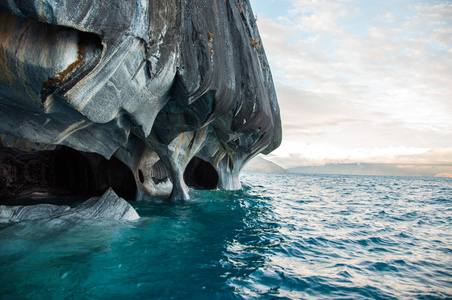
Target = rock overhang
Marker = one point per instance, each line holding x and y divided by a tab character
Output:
162	86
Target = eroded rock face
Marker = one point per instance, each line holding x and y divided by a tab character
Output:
179	91
107	207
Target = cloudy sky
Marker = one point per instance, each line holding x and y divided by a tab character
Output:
360	80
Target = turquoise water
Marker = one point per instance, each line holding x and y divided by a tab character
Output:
285	236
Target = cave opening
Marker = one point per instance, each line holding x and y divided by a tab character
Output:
200	175
61	172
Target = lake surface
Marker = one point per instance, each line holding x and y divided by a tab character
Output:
285	236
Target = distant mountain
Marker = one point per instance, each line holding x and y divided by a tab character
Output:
378	169
260	164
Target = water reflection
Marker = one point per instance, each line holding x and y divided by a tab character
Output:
182	250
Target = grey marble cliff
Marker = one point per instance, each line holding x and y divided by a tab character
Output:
148	97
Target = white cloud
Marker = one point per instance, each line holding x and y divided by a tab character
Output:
362	75
321	154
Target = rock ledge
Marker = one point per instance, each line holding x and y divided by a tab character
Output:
108	207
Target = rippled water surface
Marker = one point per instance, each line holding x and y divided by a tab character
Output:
284	236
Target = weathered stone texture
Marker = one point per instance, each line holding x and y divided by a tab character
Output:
107	207
152	83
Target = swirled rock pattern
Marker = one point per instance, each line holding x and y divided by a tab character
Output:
178	91
107	207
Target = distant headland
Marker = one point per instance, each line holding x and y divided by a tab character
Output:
379	169
260	164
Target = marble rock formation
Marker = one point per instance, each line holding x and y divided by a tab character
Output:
107	207
179	93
